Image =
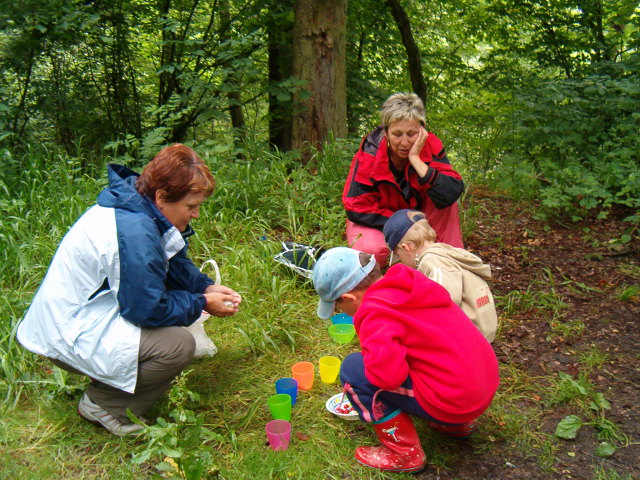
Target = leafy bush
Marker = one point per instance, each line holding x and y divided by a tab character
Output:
184	448
575	143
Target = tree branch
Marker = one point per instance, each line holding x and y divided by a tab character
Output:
413	52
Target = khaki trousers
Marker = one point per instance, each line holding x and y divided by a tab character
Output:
163	354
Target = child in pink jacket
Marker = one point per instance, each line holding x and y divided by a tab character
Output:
421	356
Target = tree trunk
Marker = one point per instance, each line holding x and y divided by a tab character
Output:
319	59
116	74
26	84
233	93
167	80
352	121
64	134
413	52
278	26
593	15
279	115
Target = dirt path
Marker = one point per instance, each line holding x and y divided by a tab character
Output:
575	314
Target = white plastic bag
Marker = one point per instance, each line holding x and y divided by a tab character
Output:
204	345
300	258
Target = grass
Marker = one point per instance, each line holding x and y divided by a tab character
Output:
593	359
603	473
629	293
48	440
259	202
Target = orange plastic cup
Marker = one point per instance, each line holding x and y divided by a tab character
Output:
303	373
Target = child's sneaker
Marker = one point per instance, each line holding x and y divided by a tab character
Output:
96	414
461	430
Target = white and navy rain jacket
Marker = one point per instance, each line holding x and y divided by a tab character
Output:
122	266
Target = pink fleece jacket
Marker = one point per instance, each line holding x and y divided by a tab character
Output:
408	325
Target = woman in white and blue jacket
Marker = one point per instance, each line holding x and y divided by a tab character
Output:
120	286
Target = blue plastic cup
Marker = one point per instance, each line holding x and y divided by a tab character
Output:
340	318
289	386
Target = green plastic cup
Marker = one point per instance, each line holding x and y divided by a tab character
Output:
342	332
280	406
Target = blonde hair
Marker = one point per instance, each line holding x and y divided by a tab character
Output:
402	106
419	233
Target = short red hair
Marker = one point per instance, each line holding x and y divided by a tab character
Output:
178	171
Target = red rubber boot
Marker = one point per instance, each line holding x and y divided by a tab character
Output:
400	450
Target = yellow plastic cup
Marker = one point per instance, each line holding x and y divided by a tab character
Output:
329	368
303	373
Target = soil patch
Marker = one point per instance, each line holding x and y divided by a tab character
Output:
582	309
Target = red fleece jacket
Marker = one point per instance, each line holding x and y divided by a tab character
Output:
408	325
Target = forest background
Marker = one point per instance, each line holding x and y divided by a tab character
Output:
537	97
538	101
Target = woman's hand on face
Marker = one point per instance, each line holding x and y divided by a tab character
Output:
221	301
416	148
414	155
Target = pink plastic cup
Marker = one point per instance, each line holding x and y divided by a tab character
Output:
278	434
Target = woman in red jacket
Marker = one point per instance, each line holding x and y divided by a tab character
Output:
421	356
400	165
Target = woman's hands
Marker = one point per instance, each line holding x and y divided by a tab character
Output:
414	154
221	301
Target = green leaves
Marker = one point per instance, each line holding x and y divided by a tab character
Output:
568	389
184	448
574	143
605	450
568	427
599	402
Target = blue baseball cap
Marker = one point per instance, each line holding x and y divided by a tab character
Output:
399	224
338	271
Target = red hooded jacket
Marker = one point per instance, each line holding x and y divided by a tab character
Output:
408	325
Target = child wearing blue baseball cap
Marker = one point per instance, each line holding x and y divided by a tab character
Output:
412	242
420	355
